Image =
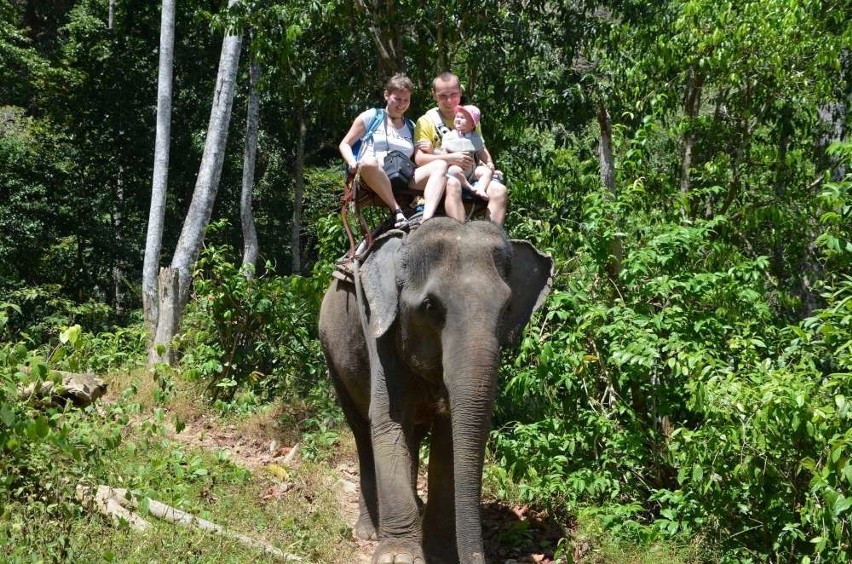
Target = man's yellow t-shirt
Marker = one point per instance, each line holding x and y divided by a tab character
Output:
426	128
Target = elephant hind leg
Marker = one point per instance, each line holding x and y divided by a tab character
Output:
439	518
367	526
420	433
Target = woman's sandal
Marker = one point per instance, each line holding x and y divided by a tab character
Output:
400	222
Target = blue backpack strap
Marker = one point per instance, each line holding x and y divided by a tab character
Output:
358	146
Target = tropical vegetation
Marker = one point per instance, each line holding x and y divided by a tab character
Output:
686	163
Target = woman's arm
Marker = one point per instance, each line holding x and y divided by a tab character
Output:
356	131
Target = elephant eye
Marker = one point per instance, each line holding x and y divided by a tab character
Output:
431	307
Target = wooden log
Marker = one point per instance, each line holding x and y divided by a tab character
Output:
106	499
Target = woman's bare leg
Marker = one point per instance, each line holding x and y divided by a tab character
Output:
431	178
376	179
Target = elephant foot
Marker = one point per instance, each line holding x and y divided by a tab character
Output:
365	529
399	551
444	553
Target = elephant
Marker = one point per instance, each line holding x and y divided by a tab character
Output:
421	357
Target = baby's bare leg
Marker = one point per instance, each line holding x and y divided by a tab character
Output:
457	172
483	175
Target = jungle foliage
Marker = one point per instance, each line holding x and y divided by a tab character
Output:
689	376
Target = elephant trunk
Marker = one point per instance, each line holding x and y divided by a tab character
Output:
470	374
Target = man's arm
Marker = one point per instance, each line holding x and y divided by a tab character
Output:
485	157
424	132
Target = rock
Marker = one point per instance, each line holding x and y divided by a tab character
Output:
274	446
81	388
346	486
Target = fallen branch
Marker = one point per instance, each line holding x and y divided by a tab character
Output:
291	455
115	502
106	503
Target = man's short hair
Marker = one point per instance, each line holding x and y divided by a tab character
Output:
446	76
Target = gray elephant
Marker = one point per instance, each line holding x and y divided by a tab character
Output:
422	357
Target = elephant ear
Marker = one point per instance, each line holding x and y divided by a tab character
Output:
530	278
378	280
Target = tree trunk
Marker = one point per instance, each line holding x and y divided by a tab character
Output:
111	14
298	195
834	117
835	128
691	109
167	323
607	172
385	33
250	248
441	42
118	264
203	197
157	212
605	149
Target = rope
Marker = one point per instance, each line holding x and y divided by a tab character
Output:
350	197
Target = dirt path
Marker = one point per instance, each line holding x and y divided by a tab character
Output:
261	447
511	534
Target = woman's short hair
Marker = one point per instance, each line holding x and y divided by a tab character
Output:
399	82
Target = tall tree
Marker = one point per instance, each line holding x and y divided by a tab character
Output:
250	248
159	182
298	192
175	281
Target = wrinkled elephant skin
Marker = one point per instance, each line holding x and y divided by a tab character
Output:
421	358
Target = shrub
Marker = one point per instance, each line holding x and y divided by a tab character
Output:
250	333
666	388
46	452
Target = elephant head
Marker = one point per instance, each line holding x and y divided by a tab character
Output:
438	306
397	264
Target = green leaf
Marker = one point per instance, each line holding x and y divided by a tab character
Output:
39	428
841	505
71	335
7	416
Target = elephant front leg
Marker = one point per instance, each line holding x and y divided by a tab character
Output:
399	517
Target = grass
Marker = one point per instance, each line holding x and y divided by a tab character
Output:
232	483
592	544
578	538
295	511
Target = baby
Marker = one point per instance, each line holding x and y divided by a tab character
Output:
464	138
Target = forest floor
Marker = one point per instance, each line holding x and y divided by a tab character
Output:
512	534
